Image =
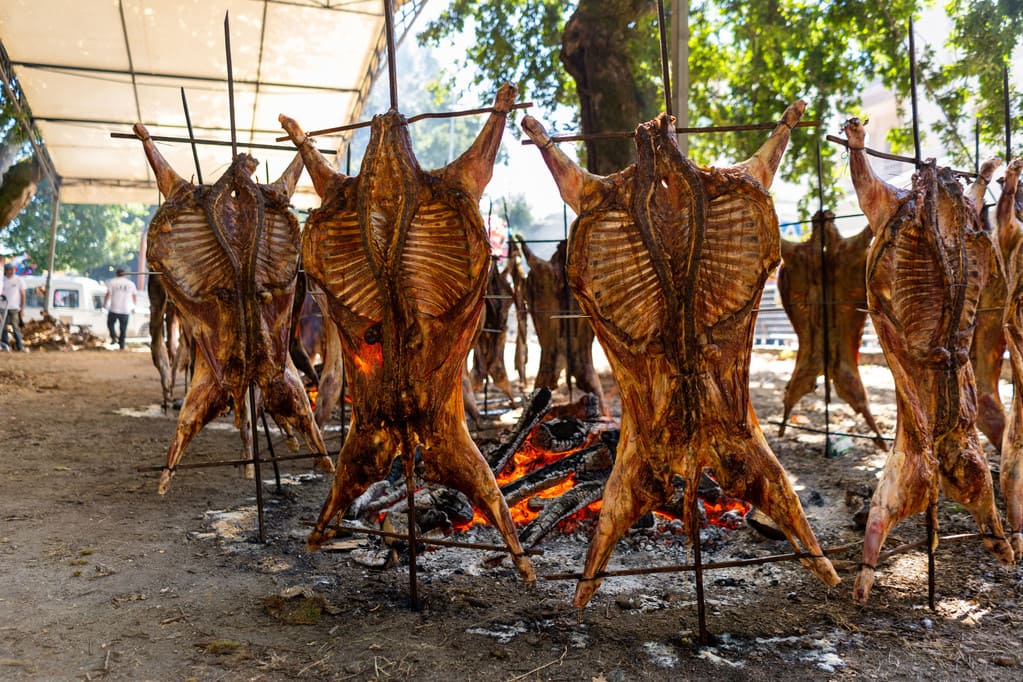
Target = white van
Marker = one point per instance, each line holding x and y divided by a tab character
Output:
78	301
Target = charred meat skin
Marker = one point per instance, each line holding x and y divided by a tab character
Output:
228	258
669	261
402	256
926	268
1009	218
806	288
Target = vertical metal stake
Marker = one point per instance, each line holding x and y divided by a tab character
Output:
665	61
191	137
410	488
976	146
392	56
932	540
818	226
230	85
1008	113
568	321
255	463
701	606
273	455
344	387
912	93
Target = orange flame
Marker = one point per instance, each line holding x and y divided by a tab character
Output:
528	459
369	357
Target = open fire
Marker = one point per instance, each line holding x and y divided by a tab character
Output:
551	468
531	457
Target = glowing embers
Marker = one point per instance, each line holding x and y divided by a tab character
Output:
547	489
369	357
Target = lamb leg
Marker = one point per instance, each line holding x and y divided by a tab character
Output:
286	399
878	200
326	181
167	179
966	478
332	375
765	161
628	494
365	457
754	475
205	400
458	463
904	489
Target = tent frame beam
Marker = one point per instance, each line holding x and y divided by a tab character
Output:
175	76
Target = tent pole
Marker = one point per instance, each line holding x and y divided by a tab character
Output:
53	242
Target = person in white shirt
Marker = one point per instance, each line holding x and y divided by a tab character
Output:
12	296
119	302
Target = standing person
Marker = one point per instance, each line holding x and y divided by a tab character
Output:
12	297
119	302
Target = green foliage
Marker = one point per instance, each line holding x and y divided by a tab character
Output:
969	89
750	58
514	40
88	235
515	211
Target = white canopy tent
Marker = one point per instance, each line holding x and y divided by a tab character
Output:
87	68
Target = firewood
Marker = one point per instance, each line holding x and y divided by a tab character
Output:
557	509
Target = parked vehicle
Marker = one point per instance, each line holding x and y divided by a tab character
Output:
78	301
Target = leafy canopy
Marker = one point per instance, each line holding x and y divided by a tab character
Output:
750	58
89	236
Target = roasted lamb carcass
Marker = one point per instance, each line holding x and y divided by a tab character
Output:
518	280
402	255
488	350
926	268
669	260
1009	218
170	347
806	288
988	346
565	336
228	258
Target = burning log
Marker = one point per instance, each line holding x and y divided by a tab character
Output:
534	410
596	458
437	507
565	335
560	435
579	496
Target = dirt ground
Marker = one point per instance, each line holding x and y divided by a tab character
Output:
102	578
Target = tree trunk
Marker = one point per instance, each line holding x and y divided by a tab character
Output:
594	50
18	188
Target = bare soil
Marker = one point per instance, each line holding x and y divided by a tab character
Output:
102	578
